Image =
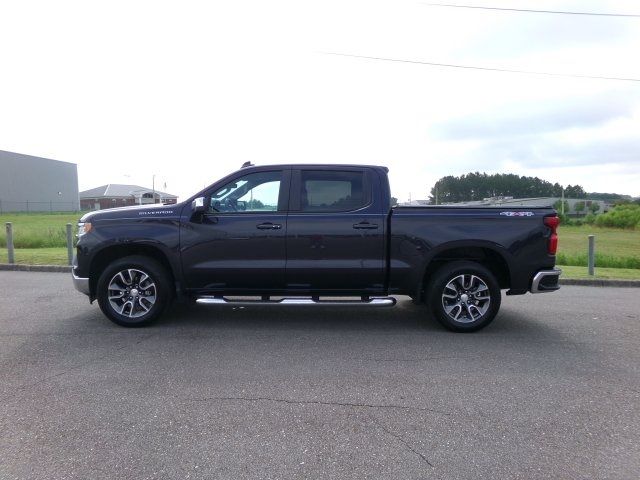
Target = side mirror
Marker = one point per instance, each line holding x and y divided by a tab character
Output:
197	206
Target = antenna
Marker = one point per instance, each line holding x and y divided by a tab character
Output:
247	164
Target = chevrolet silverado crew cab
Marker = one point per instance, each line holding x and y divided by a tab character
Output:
313	235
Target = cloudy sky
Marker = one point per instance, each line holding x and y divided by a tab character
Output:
189	91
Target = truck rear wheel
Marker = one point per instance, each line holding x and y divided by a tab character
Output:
464	296
133	291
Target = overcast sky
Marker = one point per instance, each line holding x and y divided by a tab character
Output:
189	91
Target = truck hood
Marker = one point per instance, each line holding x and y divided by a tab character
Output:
136	211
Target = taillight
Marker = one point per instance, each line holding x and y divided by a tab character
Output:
552	223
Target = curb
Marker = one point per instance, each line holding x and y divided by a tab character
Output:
599	283
35	268
563	281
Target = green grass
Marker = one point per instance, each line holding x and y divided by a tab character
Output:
611	241
600	273
37	256
615	248
37	230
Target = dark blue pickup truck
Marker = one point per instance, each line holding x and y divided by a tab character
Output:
313	235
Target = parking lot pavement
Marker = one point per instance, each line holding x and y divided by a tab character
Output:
550	390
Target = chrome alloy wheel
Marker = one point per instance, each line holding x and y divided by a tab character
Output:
466	298
132	293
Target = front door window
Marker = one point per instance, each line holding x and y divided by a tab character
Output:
253	193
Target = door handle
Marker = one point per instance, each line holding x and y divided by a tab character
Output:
269	226
365	226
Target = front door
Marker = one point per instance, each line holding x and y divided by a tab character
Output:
238	244
335	232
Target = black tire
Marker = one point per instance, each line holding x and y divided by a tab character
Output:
466	290
143	299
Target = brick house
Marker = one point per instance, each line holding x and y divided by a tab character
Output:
117	195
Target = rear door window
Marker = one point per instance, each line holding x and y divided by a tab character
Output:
333	191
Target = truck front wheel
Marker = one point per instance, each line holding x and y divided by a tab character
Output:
464	296
133	291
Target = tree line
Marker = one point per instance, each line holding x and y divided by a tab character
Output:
477	186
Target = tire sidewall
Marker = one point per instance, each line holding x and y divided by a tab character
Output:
152	268
443	276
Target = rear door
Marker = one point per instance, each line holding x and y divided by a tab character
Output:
238	244
335	231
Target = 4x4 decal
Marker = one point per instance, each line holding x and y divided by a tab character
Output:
517	214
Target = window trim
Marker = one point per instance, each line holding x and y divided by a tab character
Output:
295	203
283	194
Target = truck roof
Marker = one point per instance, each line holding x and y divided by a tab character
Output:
316	165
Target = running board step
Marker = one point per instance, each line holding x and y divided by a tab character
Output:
299	301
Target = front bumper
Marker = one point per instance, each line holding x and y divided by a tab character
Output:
545	281
80	283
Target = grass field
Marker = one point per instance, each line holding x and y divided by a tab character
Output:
40	239
615	248
35	230
37	256
600	273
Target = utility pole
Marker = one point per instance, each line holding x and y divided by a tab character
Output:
153	186
436	194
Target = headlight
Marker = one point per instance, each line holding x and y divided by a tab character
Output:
83	227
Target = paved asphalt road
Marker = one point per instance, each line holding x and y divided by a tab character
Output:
550	390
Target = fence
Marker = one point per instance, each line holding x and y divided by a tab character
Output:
43	207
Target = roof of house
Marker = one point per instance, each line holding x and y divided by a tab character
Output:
122	191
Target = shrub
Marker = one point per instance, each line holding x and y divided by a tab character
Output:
558	206
564	219
589	219
622	216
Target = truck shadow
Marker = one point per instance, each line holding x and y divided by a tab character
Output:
405	317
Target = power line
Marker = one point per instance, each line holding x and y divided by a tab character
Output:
532	11
490	69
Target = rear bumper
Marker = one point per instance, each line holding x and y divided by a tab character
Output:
545	281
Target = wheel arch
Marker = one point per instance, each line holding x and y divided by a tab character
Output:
114	252
491	256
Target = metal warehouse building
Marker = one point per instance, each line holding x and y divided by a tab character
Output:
34	184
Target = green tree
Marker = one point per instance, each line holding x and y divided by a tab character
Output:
394	201
477	186
594	207
574	192
254	204
610	197
579	206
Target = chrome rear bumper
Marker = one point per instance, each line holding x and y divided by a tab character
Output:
546	281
